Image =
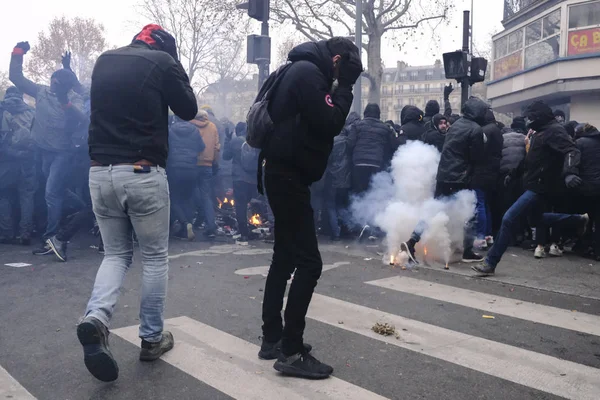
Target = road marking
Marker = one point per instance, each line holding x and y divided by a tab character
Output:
538	371
214	251
566	319
264	271
231	365
11	389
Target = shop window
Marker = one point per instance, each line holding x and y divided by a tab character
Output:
542	39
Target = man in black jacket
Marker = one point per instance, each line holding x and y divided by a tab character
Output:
463	148
552	154
436	134
308	113
133	88
370	140
412	126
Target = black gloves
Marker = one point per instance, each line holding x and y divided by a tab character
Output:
350	69
24	46
165	42
572	181
66	60
447	91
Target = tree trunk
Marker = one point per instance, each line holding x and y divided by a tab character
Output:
375	67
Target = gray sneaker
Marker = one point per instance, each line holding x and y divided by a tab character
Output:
153	351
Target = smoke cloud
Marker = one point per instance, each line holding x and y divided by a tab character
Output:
402	198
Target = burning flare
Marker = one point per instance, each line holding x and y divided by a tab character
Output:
255	220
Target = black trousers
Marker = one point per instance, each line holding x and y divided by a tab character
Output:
361	178
296	248
243	192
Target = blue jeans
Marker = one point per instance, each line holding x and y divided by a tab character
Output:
204	177
56	168
483	215
124	202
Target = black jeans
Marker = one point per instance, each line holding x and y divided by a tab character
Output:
182	184
243	192
361	178
296	248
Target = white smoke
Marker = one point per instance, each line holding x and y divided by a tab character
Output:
402	198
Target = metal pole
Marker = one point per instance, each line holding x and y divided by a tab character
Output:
358	43
465	82
263	66
471	33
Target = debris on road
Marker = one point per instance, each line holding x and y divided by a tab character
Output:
385	329
488	317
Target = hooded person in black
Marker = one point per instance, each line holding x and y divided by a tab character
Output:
307	112
412	126
552	155
436	134
370	140
463	149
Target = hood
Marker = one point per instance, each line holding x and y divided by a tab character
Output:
352	118
183	128
14	105
199	123
476	110
410	113
539	114
587	130
489	117
519	125
435	120
431	108
316	53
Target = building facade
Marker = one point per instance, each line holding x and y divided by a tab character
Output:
548	50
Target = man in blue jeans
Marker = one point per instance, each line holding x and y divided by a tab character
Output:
128	144
552	154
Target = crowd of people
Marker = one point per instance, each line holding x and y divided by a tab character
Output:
112	156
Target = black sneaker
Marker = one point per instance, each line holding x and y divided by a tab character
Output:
483	269
101	248
242	241
410	250
58	247
98	359
302	365
272	351
153	351
471	257
43	251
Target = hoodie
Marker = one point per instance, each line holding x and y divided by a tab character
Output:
307	114
433	136
412	126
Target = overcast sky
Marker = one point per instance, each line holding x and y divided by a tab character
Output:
23	19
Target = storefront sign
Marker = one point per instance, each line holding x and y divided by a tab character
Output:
508	65
584	41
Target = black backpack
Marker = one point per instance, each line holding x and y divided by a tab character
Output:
259	121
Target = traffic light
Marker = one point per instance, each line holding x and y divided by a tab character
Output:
478	68
259	49
456	65
257	9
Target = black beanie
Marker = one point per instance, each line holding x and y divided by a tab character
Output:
431	108
372	111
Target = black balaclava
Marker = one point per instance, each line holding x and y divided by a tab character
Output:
62	81
539	115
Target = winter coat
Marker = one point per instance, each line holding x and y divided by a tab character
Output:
133	88
19	121
233	152
339	165
513	153
552	155
369	141
588	144
210	136
487	169
185	143
463	146
307	115
411	119
433	136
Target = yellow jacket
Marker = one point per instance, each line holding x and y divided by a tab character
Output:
210	136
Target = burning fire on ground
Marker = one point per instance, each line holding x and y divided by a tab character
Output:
226	201
255	220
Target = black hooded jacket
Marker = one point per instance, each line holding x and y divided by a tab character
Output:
487	169
411	119
588	143
185	143
433	136
370	140
307	114
552	153
464	145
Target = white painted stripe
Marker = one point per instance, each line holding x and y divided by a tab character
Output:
566	319
11	389
511	363
231	365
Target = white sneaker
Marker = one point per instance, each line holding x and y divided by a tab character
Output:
555	251
480	244
539	252
489	240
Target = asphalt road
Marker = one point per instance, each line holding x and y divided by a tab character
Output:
543	341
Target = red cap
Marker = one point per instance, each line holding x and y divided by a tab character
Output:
144	35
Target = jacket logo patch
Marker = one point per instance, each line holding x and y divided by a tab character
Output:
329	101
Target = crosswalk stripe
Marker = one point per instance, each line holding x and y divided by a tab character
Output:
566	319
230	365
11	389
538	371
